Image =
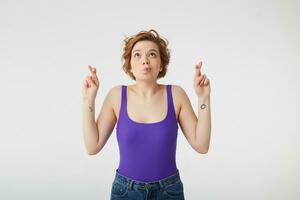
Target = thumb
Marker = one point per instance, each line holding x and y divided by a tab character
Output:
91	82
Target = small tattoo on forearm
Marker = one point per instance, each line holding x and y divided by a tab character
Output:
203	106
91	108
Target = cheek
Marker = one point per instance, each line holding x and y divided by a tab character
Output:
158	60
133	68
155	61
132	64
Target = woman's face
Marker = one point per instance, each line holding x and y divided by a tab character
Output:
145	60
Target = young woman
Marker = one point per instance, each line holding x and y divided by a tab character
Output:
146	115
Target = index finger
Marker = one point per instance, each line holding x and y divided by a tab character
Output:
198	69
93	70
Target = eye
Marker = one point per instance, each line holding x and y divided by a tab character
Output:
152	54
136	54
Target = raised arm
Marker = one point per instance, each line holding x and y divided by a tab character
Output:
96	133
196	130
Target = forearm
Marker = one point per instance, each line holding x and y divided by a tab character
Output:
203	129
90	131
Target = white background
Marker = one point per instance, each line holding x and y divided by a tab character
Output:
250	52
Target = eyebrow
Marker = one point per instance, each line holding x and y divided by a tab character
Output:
149	50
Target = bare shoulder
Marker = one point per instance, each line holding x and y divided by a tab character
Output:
114	95
114	91
177	88
179	93
180	98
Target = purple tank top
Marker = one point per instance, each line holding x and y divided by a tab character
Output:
147	150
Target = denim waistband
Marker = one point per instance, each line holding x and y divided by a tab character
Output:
159	184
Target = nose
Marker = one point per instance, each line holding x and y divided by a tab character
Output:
145	60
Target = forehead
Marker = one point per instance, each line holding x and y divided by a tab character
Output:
145	46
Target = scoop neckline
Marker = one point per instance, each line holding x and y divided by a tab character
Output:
149	123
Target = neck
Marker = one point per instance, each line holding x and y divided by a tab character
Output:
146	89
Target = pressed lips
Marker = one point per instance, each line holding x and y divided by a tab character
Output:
146	69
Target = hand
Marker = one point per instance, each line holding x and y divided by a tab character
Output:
201	82
90	85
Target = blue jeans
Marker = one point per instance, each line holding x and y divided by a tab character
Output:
168	188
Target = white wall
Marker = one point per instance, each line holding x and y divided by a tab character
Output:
250	52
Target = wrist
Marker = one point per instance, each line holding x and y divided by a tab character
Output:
88	101
204	99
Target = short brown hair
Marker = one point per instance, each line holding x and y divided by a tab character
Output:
150	35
